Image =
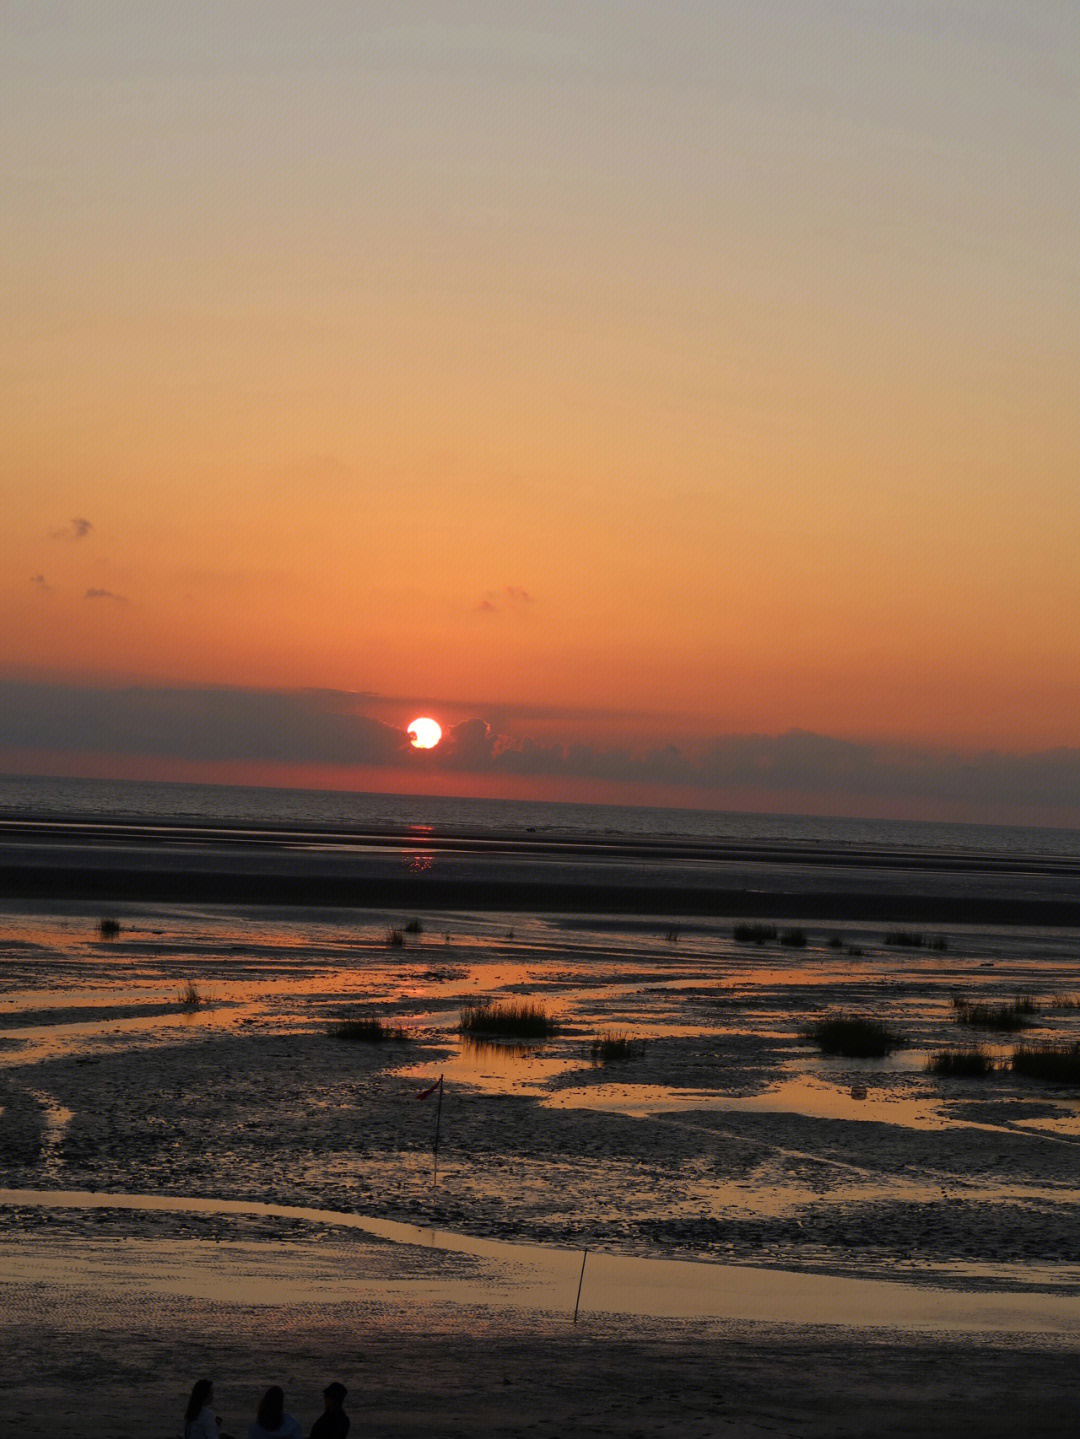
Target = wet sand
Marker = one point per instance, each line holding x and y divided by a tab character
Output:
118	862
416	1365
952	1208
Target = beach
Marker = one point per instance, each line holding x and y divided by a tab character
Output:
197	1172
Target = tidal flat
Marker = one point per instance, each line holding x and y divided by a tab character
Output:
192	1058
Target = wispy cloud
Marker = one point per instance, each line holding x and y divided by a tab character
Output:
508	598
93	594
40	582
77	529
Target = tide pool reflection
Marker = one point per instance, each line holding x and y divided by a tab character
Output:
494	1066
488	1052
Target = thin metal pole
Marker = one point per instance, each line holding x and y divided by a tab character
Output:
581	1276
435	1149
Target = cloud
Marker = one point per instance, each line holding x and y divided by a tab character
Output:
78	529
508	598
502	711
41	582
106	595
307	726
330	727
469	745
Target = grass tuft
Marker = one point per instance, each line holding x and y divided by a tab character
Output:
835	941
672	935
1055	1063
514	1017
855	1037
940	944
904	939
395	938
753	933
108	928
793	938
414	927
368	1031
1007	1017
971	1062
612	1044
190	997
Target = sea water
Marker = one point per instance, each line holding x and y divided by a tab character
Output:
157	802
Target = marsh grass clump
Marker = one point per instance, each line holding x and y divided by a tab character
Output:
971	1062
1054	1063
904	939
753	933
672	936
855	1037
395	938
190	996
1065	1001
108	928
414	927
793	938
612	1044
517	1017
1005	1017
835	941
939	944
369	1031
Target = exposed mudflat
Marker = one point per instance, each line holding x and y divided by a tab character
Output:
724	1137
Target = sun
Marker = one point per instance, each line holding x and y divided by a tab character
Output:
424	733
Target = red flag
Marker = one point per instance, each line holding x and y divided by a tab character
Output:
427	1093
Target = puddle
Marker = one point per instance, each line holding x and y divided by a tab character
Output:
490	1066
814	1099
526	1276
1068	1123
804	1095
56	1118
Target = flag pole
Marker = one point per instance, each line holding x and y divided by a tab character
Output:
581	1277
435	1147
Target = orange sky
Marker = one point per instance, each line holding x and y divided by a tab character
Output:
698	374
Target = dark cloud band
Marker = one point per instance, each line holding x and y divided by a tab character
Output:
330	727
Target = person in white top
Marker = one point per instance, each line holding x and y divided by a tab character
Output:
200	1421
271	1421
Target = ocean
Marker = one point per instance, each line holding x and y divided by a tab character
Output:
349	812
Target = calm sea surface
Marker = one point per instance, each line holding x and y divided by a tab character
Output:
257	807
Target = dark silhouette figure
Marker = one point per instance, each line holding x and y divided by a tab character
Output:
200	1421
333	1422
271	1421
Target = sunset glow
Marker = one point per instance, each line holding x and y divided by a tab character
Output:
629	388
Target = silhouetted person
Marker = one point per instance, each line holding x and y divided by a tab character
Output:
200	1421
333	1423
271	1421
